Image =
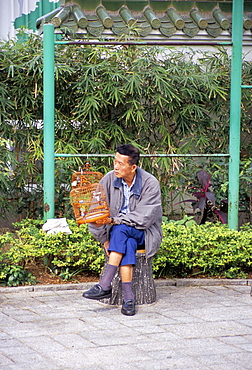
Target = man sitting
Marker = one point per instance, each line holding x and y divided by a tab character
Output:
134	198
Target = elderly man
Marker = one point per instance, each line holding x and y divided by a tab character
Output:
134	198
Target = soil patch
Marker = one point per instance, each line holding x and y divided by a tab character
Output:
44	276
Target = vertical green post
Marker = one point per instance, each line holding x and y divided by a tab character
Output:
48	110
235	114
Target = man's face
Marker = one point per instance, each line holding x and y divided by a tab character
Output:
122	167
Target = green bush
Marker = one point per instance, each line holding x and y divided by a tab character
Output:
12	275
208	250
187	250
60	253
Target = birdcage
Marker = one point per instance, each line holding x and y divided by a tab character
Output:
85	176
88	198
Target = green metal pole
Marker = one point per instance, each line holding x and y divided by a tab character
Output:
48	90
88	155
235	114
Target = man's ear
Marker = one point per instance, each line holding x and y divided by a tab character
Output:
134	167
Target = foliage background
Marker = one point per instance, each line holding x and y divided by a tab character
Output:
161	100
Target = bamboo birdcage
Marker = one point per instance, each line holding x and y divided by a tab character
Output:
88	198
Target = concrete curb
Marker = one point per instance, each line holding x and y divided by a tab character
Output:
159	282
203	282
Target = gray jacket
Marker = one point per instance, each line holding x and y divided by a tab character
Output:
145	208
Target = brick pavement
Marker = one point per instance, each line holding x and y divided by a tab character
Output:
194	324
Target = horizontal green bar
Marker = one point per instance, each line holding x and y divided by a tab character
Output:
143	155
246	87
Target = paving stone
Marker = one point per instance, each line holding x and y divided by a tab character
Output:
2	334
5	361
228	366
237	339
42	344
214	359
174	362
106	355
10	342
73	341
246	322
30	359
222	313
242	359
246	347
15	350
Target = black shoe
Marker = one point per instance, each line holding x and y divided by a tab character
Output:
128	307
97	293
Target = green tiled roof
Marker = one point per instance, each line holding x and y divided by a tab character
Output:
151	20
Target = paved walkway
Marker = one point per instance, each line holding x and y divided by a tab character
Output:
205	326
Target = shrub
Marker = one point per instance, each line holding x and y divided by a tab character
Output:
187	250
60	253
12	275
209	250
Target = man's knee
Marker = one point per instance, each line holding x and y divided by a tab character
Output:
126	230
122	228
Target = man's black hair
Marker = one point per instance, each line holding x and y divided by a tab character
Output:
131	151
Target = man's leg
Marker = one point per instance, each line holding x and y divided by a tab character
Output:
111	268
122	248
126	272
103	289
115	258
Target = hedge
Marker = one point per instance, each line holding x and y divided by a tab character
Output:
187	250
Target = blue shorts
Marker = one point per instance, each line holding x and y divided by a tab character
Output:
125	239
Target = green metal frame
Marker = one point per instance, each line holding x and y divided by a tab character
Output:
48	110
235	114
235	118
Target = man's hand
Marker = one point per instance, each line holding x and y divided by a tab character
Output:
106	246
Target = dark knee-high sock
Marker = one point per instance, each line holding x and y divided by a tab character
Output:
127	291
107	278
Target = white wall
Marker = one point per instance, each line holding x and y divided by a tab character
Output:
10	10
